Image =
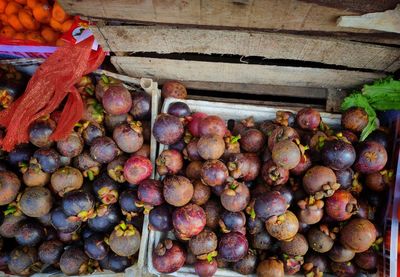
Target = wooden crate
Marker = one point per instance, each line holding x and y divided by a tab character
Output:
287	48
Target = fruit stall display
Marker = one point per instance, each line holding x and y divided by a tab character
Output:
39	21
254	190
228	189
72	205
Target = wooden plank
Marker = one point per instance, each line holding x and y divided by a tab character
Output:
259	14
166	69
334	100
388	21
166	40
283	105
258	89
365	6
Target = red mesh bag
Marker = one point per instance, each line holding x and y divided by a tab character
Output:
52	82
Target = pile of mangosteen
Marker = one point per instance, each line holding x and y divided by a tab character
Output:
73	205
272	198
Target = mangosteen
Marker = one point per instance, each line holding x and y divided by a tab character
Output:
204	244
308	119
104	150
212	210
298	246
232	221
212	125
283	227
248	264
173	89
177	190
270	268
233	247
137	169
50	251
89	167
78	204
74	261
71	146
169	162
211	147
90	131
261	240
66	179
179	109
355	119
320	181
62	222
167	129
117	100
320	239
36	201
245	166
21	260
201	193
128	136
270	204
105	189
338	154
286	154
235	197
141	105
160	218
48	159
168	256
29	233
128	202
358	235
95	247
9	187
311	210
40	131
106	217
214	173
189	220
125	240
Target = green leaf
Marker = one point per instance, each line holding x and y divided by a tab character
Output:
383	94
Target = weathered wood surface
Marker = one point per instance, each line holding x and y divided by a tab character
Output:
198	71
388	21
166	40
260	14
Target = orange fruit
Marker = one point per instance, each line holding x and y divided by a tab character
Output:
32	3
35	36
60	42
57	26
12	8
20	36
42	13
27	20
14	22
4	19
49	34
66	25
22	2
3	5
58	13
7	32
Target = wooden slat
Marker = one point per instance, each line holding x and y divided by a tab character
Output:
388	21
167	40
166	69
260	14
259	89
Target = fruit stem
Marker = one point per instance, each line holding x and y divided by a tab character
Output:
235	139
105	79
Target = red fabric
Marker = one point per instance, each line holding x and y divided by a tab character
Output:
52	82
